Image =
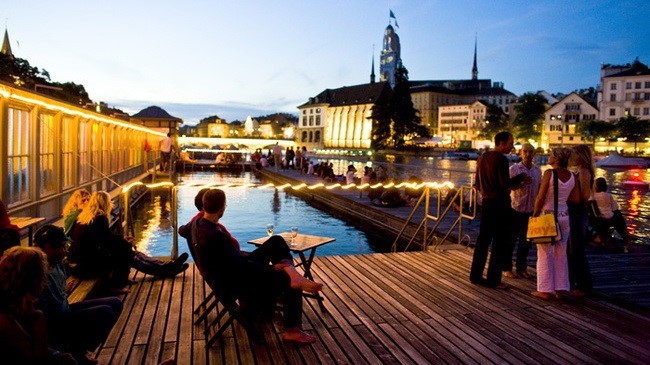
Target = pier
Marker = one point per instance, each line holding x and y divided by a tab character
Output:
393	308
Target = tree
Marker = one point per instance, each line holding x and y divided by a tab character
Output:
529	121
633	129
395	118
495	122
596	129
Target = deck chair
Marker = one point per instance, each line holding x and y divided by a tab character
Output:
229	310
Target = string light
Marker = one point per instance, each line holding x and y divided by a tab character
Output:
302	185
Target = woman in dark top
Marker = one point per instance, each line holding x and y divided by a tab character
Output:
94	249
97	252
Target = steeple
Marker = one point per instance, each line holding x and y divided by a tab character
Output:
372	69
474	67
6	46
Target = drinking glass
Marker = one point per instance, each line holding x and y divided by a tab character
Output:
294	233
269	229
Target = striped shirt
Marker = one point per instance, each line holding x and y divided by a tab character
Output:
523	199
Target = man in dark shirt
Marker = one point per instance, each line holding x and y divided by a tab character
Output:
494	183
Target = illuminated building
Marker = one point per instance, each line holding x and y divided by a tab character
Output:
561	120
625	91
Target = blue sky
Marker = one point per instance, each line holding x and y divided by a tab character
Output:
239	58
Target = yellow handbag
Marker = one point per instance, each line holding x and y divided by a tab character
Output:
544	228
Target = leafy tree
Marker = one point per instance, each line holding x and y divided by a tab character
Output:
396	118
633	129
529	121
495	122
596	129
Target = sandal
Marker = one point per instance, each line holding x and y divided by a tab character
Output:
541	295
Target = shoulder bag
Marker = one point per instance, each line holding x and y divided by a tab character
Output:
544	228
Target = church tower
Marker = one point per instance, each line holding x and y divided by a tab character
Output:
6	46
475	68
390	57
372	70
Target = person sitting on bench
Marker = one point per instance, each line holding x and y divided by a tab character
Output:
251	278
79	327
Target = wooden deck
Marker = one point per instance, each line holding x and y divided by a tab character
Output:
397	308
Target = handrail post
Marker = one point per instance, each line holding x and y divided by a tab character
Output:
125	223
174	207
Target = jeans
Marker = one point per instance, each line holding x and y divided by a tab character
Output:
519	228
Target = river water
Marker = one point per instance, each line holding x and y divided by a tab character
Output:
251	209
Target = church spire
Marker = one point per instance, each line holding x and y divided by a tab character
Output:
474	67
6	46
372	68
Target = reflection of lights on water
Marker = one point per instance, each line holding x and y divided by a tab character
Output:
633	210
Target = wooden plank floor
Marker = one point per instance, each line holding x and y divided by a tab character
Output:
396	308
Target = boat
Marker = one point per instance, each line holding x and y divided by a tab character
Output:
461	155
635	182
614	160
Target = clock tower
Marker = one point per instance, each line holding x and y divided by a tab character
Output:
390	56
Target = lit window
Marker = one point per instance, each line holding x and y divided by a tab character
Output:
18	147
47	180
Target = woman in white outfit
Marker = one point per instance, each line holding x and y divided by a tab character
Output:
552	265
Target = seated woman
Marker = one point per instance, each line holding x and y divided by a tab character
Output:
96	251
610	214
73	208
255	279
23	330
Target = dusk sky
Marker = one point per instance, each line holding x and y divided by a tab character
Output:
240	58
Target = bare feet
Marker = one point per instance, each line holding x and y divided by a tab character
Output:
305	284
298	336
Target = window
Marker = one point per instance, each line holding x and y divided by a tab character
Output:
67	152
637	111
47	180
612	97
646	96
304	137
647	84
637	96
626	112
646	111
18	149
317	136
612	112
311	111
84	153
311	121
637	85
628	85
304	111
311	136
318	120
570	138
612	86
304	121
317	110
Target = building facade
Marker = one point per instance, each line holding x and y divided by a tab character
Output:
461	122
625	91
561	120
340	118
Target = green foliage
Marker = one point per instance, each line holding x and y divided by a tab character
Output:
20	73
395	118
633	129
495	121
596	129
530	116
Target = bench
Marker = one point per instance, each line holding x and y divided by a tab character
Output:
81	288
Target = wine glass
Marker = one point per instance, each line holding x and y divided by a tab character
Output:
269	229
294	233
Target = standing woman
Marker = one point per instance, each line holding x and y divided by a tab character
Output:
579	272
552	265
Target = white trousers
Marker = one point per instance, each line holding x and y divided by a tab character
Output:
552	264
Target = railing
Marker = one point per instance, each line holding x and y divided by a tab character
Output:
466	197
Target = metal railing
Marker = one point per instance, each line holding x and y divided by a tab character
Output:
464	201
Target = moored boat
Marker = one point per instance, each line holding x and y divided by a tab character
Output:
614	160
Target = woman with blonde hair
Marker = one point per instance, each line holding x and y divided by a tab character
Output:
552	266
23	330
98	251
579	272
73	208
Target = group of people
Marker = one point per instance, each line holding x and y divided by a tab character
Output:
510	195
256	279
37	323
297	159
